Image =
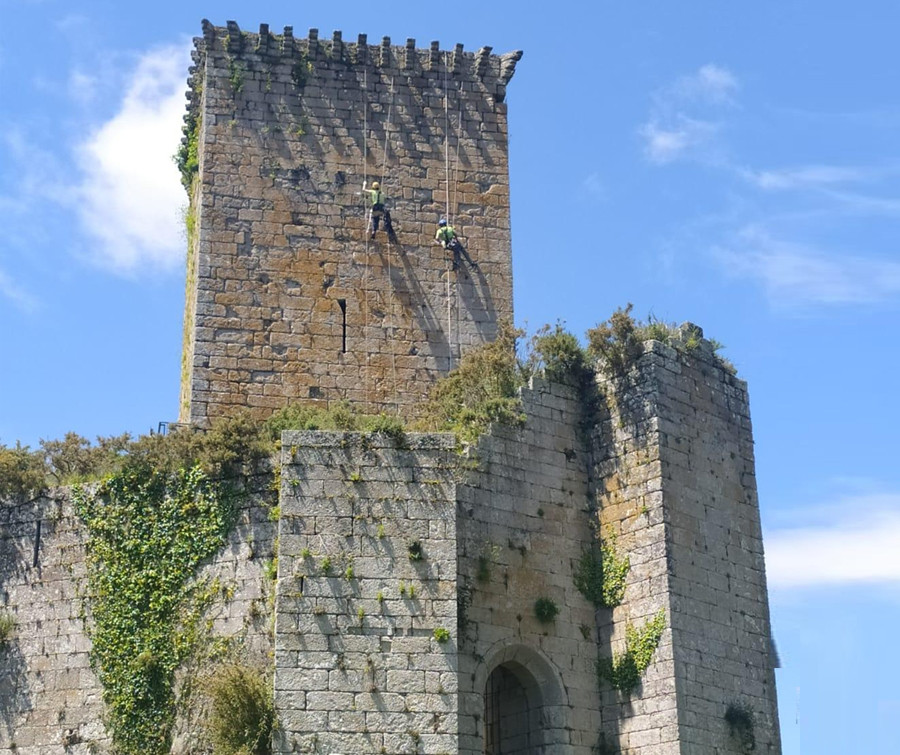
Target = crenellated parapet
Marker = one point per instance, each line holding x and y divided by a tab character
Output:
290	297
493	72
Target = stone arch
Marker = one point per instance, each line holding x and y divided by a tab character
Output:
524	703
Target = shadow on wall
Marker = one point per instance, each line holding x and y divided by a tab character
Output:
16	555
14	693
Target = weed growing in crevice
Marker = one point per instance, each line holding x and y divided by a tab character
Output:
545	610
301	71
7	625
741	726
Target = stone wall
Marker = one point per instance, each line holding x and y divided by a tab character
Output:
366	617
675	482
408	574
524	520
50	698
288	299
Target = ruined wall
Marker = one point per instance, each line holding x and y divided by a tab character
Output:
287	298
524	520
675	482
50	698
366	592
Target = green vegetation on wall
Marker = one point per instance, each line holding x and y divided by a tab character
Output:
741	726
623	671
7	625
618	342
545	610
149	530
188	156
242	712
602	580
483	389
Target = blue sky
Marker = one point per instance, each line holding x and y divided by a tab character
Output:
731	164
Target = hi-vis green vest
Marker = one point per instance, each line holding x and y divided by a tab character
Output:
445	234
376	196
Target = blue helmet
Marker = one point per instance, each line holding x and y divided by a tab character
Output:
442	222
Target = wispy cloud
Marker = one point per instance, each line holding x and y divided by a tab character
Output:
795	274
854	541
710	83
807	176
595	187
684	116
129	198
15	294
667	141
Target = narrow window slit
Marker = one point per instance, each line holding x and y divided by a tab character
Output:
342	303
37	544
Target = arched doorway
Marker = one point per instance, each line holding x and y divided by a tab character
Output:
511	719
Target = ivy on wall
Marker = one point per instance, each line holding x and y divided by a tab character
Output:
602	580
149	531
624	670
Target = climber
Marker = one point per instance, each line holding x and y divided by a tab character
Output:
378	210
448	239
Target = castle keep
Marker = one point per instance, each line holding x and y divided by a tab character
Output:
424	600
287	296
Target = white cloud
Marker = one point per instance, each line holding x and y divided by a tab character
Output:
853	542
15	294
711	83
795	274
683	120
130	198
807	176
595	187
663	144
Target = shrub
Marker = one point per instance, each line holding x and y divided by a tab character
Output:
483	389
558	354
242	714
616	341
22	472
441	635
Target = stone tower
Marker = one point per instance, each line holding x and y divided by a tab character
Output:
287	297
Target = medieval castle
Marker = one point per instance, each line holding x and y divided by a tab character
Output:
424	602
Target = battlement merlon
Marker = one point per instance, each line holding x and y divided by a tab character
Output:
494	72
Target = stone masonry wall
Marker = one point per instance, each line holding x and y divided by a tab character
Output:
524	521
287	298
50	698
717	583
675	482
366	589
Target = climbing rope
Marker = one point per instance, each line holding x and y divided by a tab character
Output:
456	165
390	254
447	209
367	377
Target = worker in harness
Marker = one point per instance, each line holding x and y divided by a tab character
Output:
378	210
448	239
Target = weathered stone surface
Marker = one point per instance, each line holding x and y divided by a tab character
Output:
288	299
